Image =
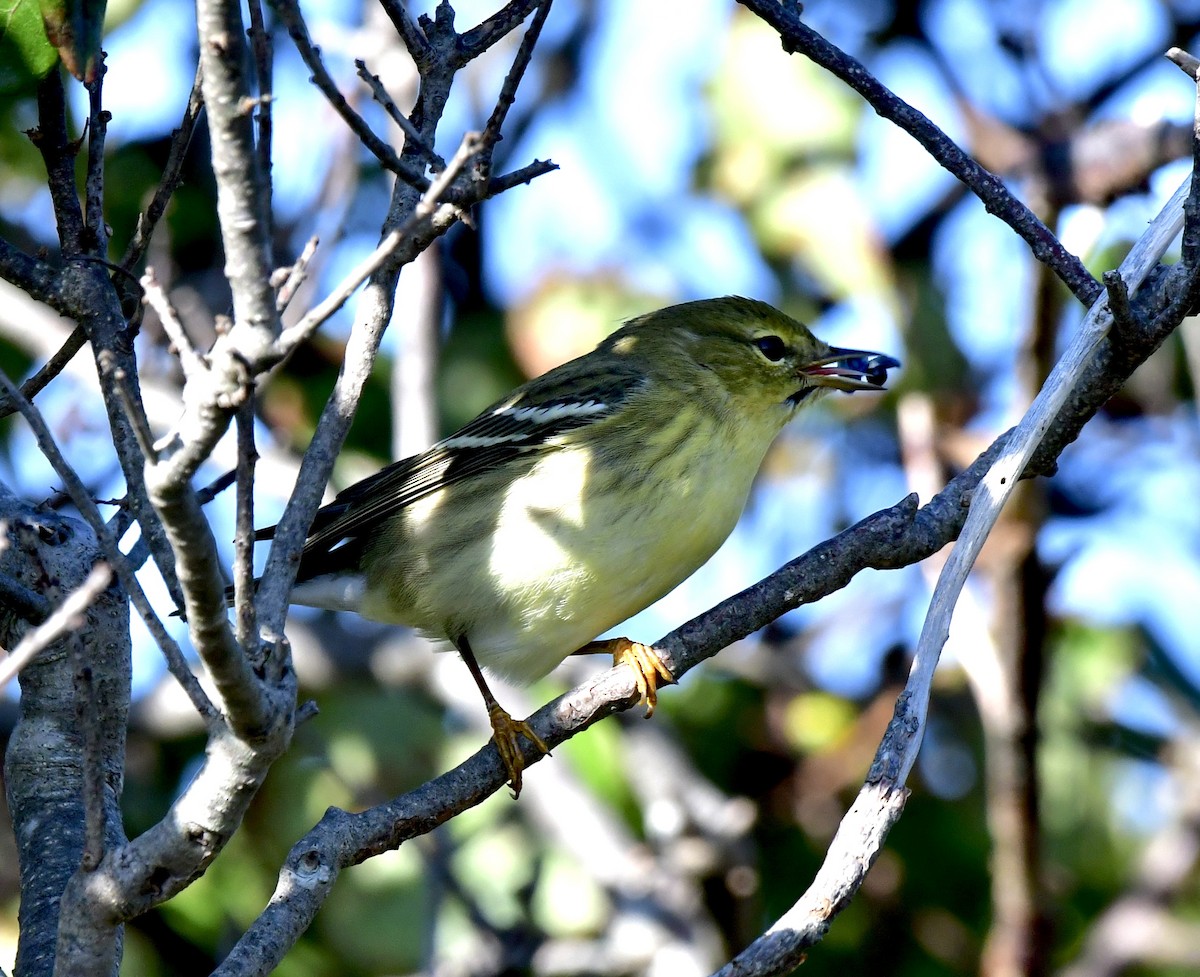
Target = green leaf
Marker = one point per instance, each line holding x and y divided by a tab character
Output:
75	28
26	54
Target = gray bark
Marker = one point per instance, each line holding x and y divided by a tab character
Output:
78	685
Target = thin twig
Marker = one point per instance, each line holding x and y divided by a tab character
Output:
799	37
412	136
181	139
155	296
50	139
507	181
508	91
137	417
289	13
49	370
1189	64
295	275
176	663
94	183
293	336
214	488
1125	319
119	523
261	46
474	42
243	559
65	618
410	33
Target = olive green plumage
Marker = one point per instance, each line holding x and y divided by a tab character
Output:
579	499
586	494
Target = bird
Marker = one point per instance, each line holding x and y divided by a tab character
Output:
579	499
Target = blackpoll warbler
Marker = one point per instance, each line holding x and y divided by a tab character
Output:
578	500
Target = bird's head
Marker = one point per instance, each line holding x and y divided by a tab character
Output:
752	350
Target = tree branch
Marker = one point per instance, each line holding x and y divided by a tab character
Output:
48	371
782	946
181	139
892	538
241	186
289	13
799	37
97	228
108	544
66	617
46	761
50	139
40	279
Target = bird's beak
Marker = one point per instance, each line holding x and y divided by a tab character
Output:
849	369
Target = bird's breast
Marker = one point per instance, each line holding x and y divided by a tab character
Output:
573	544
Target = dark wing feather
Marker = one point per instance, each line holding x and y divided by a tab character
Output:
532	419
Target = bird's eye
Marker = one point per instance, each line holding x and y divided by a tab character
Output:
772	347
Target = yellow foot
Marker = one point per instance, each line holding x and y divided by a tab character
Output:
647	667
506	731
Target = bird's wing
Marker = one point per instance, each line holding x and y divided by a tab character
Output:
533	419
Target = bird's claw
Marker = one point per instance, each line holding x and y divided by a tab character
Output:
507	731
648	669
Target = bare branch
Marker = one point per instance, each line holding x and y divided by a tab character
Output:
145	872
1125	319
41	280
49	370
216	487
247	701
242	198
1189	64
45	762
859	838
1002	478
87	716
481	37
63	619
289	13
799	37
243	560
83	502
508	91
262	47
409	33
23	601
94	184
423	213
1190	247
413	137
181	139
507	181
155	297
295	276
50	139
136	417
